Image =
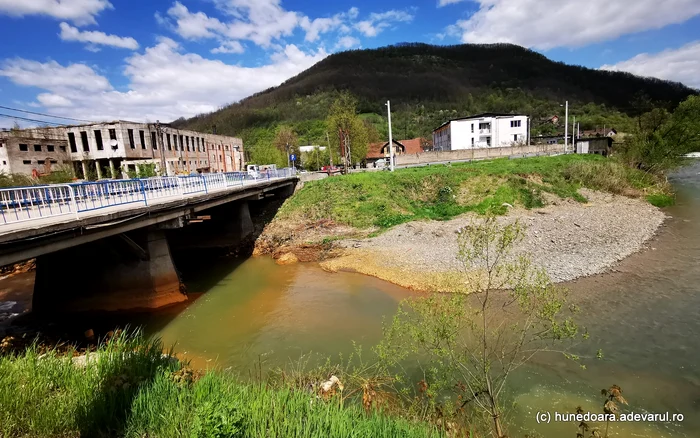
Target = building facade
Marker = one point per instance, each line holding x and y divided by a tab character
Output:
114	149
31	154
482	131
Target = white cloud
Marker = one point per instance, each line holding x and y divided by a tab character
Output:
79	12
545	24
442	3
347	42
52	76
229	47
164	83
53	100
320	25
260	21
377	22
681	65
195	25
70	33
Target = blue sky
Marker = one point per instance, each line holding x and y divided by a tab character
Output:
162	59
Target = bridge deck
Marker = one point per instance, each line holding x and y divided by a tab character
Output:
100	206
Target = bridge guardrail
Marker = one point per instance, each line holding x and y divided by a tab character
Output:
21	204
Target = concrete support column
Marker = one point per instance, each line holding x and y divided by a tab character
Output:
97	168
112	169
109	275
244	223
85	169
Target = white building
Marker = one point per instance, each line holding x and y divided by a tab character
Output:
307	149
482	131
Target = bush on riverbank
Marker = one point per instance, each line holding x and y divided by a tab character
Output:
383	199
129	388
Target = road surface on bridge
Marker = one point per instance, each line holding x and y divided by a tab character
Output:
42	208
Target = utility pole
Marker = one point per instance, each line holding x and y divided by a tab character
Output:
391	140
573	135
566	128
159	140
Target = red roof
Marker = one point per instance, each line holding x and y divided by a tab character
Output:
412	146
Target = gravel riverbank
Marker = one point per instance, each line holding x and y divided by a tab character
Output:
567	238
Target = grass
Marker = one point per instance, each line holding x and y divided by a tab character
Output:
131	389
383	199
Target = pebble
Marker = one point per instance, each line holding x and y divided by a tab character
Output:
581	239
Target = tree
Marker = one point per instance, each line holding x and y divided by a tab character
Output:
287	141
662	138
344	122
508	312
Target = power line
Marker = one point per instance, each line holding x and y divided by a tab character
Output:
31	120
45	115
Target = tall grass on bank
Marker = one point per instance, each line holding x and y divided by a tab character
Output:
129	388
440	192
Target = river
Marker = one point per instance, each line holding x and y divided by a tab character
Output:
645	316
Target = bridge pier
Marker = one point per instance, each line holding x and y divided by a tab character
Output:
109	274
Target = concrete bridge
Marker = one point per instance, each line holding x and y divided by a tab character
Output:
105	245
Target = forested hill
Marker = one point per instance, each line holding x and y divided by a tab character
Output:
457	79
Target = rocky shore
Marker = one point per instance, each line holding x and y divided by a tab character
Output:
567	238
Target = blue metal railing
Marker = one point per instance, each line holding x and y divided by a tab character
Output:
20	204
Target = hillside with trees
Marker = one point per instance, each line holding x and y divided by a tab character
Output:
431	84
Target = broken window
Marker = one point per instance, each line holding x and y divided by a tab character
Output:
187	142
182	144
23	147
131	138
170	146
142	136
98	140
27	162
50	148
37	148
154	142
62	148
112	134
71	140
84	141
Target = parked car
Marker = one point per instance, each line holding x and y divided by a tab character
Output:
331	170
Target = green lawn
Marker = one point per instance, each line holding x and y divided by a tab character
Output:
135	391
439	192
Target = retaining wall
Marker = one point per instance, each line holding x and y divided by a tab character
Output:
477	154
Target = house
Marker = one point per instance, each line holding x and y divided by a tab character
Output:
594	145
113	149
599	132
550	139
553	120
482	131
379	151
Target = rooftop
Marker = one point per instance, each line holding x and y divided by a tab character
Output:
413	146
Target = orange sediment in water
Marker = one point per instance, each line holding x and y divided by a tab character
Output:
384	265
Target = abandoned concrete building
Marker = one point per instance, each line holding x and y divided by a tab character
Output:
22	152
115	149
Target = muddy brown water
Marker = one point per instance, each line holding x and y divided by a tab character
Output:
645	316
